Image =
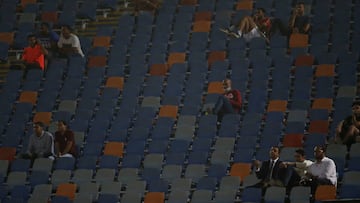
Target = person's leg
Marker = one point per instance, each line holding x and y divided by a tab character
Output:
67	155
246	24
218	104
223	105
349	137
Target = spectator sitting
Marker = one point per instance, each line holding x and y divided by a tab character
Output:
297	169
349	129
40	143
48	39
322	171
229	102
299	22
262	21
270	172
247	28
69	43
64	141
146	5
34	54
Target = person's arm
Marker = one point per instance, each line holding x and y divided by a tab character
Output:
306	27
292	20
30	145
356	121
24	57
49	147
259	170
236	101
67	148
57	148
76	44
42	48
60	42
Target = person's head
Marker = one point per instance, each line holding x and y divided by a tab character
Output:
44	28
227	84
319	152
274	152
356	108
299	155
66	31
260	13
32	40
62	126
300	8
38	128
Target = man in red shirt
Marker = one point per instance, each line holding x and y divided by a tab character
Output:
34	55
64	141
229	102
262	21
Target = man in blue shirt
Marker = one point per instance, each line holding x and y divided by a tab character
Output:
299	22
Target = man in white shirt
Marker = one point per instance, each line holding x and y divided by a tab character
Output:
296	169
41	143
69	43
322	171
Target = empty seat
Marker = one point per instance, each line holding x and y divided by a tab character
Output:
67	190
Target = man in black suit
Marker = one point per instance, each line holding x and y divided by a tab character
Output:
270	172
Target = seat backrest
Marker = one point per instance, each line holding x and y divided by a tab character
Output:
325	192
277	105
159	69
176	57
97	61
203	16
202	26
322	103
114	149
241	170
49	17
244	5
293	140
298	40
115	82
7	37
67	190
28	96
325	70
216	56
101	41
154	197
7	153
168	111
215	87
44	117
304	60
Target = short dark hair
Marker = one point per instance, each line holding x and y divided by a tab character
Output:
321	147
300	151
68	27
63	122
262	9
277	147
356	103
39	123
300	3
30	36
45	24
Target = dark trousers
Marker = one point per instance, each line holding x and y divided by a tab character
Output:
222	107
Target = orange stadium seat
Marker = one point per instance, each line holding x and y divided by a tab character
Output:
115	82
159	69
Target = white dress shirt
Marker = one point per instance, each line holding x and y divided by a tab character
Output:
325	168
